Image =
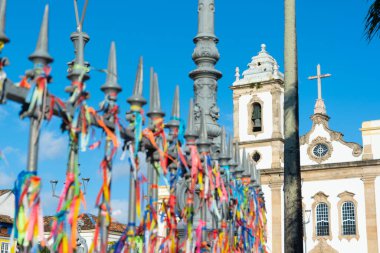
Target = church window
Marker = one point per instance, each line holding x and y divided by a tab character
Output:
256	118
348	224
321	209
256	156
322	212
348	219
320	150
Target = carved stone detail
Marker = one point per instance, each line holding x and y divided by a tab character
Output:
205	76
357	149
206	48
316	141
323	247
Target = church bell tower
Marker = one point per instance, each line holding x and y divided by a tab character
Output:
258	99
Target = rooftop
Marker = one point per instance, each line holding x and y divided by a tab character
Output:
263	67
89	221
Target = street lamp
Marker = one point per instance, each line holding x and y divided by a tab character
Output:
54	183
53	187
85	181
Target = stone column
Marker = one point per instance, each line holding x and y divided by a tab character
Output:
276	187
370	212
277	145
276	112
367	152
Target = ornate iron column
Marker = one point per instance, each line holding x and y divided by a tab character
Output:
110	112
40	58
205	76
134	116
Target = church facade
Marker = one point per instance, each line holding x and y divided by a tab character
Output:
339	178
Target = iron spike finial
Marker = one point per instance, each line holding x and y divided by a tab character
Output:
252	168
239	170
41	52
237	153
258	177
245	165
3	38
254	177
151	84
232	163
111	87
203	142
155	103
191	134
136	100
176	108
175	117
224	156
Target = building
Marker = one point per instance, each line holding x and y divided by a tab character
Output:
6	222
7	200
86	229
339	178
86	224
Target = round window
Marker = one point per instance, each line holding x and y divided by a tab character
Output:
256	156
320	150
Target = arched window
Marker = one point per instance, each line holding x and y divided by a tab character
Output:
322	222
256	117
348	218
321	217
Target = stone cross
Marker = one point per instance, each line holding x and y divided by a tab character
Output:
319	76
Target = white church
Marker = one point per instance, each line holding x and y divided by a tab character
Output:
339	178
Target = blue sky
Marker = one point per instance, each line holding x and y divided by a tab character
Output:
330	32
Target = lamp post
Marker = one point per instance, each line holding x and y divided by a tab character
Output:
54	182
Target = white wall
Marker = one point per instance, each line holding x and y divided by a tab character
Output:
371	136
7	204
377	187
266	156
332	188
340	153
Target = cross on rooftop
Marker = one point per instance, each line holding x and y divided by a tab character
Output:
319	76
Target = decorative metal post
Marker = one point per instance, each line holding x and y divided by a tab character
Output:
34	107
134	116
206	176
205	76
74	114
40	58
204	146
174	165
110	113
156	116
186	197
